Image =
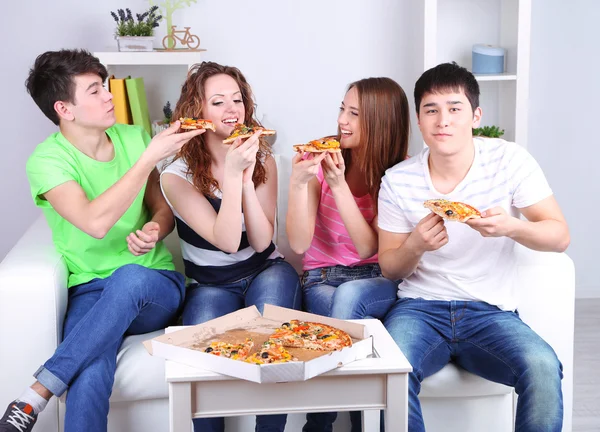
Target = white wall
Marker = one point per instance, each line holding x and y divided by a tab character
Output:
564	116
299	73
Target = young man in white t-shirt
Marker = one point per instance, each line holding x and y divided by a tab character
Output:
457	300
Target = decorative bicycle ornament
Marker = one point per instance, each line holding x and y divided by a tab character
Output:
184	37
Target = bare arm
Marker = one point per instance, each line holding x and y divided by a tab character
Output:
544	230
159	209
303	200
96	217
259	206
399	254
223	229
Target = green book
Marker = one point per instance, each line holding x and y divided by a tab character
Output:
138	103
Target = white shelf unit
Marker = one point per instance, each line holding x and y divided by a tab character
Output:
452	27
150	58
163	71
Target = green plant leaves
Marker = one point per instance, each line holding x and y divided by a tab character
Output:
488	131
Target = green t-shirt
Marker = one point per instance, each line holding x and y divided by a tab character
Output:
56	161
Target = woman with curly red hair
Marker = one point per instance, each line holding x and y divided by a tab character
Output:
224	198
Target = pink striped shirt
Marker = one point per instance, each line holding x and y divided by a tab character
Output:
331	244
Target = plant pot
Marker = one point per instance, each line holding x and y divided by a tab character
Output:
158	127
135	43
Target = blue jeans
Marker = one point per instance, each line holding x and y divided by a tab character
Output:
277	283
348	292
345	293
484	340
133	300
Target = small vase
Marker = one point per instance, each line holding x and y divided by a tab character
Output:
135	43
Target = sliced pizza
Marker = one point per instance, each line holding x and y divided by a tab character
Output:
234	351
271	352
192	123
311	335
325	144
452	210
242	131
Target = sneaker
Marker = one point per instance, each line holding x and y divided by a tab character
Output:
19	417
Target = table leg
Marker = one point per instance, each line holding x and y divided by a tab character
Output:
396	412
180	407
370	420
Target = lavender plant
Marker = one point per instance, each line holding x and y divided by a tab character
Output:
143	24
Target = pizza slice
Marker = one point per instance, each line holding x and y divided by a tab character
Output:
242	131
311	335
325	144
234	351
195	123
271	352
452	210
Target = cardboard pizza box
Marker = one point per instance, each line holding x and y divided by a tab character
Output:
176	345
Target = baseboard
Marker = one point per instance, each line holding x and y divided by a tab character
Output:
587	292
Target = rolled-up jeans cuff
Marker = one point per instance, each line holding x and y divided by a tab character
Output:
50	381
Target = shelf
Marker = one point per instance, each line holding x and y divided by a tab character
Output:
496	77
157	58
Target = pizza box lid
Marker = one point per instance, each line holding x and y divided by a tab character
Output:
176	345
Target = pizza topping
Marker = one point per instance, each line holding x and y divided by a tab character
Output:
329	143
452	210
242	131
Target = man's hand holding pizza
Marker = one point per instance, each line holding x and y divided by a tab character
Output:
494	222
429	235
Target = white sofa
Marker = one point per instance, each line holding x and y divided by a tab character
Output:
33	300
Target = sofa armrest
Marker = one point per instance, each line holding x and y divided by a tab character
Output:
33	302
546	287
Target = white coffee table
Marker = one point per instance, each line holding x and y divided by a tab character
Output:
371	384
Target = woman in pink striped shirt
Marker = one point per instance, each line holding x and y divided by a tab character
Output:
332	210
332	207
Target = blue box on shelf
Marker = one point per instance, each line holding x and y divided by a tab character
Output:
488	59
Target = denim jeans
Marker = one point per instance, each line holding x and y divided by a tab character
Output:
345	293
484	340
277	283
348	292
133	300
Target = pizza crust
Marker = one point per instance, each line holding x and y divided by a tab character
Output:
308	148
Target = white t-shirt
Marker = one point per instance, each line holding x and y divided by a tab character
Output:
469	266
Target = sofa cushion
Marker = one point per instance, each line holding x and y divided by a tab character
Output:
453	381
139	375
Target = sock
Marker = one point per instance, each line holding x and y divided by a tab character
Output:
31	397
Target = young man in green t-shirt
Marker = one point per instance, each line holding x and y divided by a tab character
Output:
97	185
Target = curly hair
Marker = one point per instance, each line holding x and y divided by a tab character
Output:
195	153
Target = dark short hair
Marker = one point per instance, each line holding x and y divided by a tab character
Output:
51	78
447	77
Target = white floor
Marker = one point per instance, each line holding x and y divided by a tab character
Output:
586	403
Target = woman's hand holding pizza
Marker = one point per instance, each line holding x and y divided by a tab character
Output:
429	235
303	170
494	222
333	169
241	156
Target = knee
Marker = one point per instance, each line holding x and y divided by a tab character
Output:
543	369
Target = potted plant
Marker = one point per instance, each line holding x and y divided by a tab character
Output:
135	34
163	124
488	131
